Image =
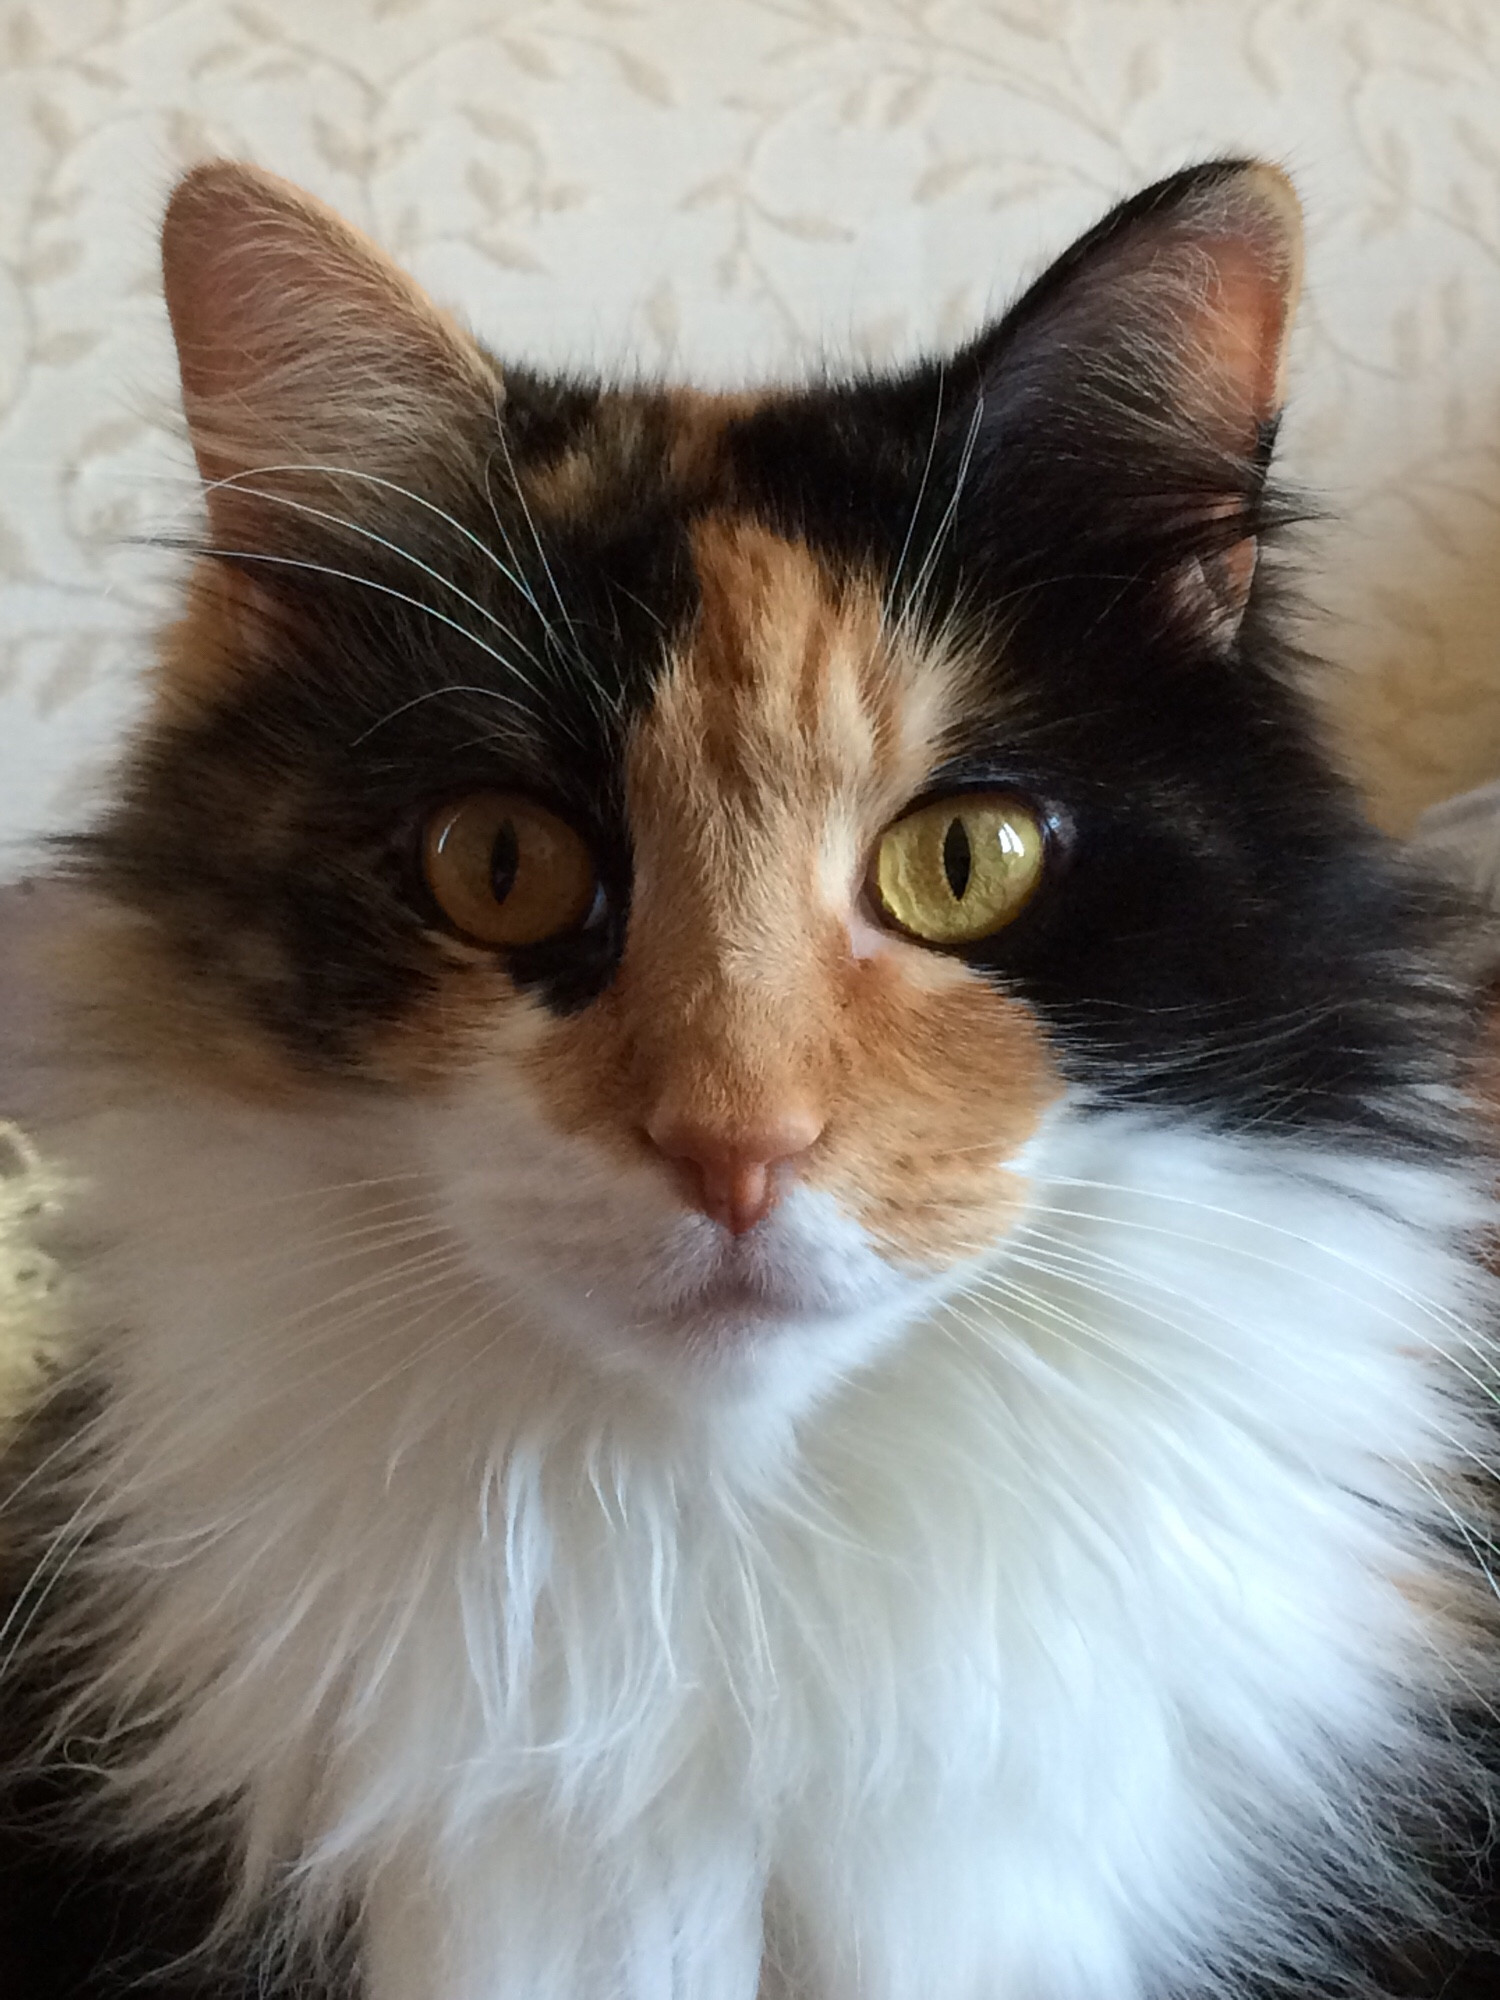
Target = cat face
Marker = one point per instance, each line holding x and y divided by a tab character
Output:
720	830
778	1112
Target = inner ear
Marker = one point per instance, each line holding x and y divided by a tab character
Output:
301	344
1241	243
1210	591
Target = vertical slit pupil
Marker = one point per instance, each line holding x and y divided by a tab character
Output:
958	858
505	859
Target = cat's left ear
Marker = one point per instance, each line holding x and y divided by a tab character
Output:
315	373
1129	402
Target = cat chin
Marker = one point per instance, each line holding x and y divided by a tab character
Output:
775	1317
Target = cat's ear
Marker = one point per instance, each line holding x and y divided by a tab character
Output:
1134	391
301	345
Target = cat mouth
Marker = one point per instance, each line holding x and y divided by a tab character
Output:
736	1299
744	1288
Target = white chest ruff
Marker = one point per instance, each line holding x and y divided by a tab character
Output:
1016	1672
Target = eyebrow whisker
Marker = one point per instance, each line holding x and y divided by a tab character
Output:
389	486
386	590
395	548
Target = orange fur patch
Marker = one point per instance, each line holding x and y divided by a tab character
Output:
673	436
791	729
222	634
134	1008
699	421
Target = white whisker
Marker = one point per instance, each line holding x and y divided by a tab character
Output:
402	597
512	577
519	491
394	548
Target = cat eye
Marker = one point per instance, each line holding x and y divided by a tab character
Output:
959	869
507	872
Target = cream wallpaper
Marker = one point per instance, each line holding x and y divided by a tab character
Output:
736	188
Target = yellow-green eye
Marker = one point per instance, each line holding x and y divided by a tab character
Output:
507	872
959	869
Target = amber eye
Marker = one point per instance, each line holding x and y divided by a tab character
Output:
507	872
959	869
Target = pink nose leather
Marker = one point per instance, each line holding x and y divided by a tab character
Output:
731	1174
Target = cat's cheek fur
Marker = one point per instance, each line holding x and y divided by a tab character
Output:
956	1082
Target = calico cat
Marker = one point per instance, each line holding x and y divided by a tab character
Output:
779	1243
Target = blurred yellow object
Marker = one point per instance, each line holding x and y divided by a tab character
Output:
32	1290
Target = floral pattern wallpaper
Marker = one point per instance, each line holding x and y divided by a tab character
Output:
736	189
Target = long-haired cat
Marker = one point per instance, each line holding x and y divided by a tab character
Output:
778	1254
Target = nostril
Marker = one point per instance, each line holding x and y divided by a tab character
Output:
737	1194
730	1172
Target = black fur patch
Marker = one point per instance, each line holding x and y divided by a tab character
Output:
84	1916
273	835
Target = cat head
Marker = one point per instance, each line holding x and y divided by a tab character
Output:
720	829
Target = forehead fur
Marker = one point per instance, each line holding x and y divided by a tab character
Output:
622	446
793	683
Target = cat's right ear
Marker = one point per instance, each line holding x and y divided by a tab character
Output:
308	358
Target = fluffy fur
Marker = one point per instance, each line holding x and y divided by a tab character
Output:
1042	1559
1087	1643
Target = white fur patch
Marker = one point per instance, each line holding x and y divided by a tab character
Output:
613	1616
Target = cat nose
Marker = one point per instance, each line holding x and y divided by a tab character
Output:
730	1173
